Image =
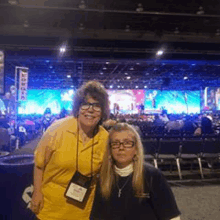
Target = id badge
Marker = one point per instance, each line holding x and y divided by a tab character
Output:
78	187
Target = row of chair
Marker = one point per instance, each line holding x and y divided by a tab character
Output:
182	149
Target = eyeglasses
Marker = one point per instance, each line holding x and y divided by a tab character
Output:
125	144
95	106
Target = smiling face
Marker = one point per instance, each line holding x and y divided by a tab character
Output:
89	118
123	156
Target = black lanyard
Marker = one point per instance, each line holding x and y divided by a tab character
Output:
77	151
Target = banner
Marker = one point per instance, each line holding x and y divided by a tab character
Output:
2	80
23	85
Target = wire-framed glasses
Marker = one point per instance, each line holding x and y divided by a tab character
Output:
95	106
125	144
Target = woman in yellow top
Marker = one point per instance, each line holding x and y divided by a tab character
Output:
70	151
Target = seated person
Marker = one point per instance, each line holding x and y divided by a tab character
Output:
128	189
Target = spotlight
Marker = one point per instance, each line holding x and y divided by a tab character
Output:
139	8
110	86
159	52
126	73
127	28
104	68
128	77
200	11
185	77
118	86
145	87
176	30
81	27
26	24
62	49
136	87
101	73
68	76
13	2
107	63
82	4
217	32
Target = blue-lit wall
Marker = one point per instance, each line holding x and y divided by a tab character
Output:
173	101
39	100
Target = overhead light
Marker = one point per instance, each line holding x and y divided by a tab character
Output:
101	73
104	68
131	68
12	2
51	67
159	52
122	87
110	86
118	86
81	27
185	77
72	86
68	76
217	32
127	28
140	8
107	62
26	24
176	30
82	4
126	73
200	11
128	77
136	87
62	49
145	87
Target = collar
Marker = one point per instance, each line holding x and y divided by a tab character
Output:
126	171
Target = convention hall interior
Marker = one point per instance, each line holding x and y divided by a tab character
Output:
160	64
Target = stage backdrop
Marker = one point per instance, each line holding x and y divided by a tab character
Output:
39	100
126	101
2	79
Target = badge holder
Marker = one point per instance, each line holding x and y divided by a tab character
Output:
79	186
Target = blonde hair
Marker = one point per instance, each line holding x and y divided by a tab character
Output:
107	174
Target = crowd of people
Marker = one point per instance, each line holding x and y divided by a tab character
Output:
89	164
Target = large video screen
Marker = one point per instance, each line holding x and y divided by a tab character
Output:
173	101
2	79
39	100
211	98
154	101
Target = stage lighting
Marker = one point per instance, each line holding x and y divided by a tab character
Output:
176	30
136	87
159	52
140	8
68	76
62	50
104	68
111	87
26	24
13	2
107	62
145	87
101	73
82	4
185	77
126	73
127	28
128	77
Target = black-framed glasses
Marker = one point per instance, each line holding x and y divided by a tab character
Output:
125	144
95	106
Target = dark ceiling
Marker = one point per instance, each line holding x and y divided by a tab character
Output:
125	33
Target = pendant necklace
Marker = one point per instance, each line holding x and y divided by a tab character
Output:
120	189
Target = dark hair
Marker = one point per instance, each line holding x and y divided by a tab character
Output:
97	91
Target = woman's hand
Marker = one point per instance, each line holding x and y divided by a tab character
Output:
37	202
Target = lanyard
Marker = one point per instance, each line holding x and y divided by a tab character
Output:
77	151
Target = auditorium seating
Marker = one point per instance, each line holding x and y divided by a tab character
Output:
188	148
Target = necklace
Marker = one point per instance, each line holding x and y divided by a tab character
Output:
120	189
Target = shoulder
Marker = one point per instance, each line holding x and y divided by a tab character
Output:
68	123
103	133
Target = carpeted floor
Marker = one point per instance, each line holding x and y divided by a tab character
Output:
198	202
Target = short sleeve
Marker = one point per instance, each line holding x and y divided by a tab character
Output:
44	150
162	198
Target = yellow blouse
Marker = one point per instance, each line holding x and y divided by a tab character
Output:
56	154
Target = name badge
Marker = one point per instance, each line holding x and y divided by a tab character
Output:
78	187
